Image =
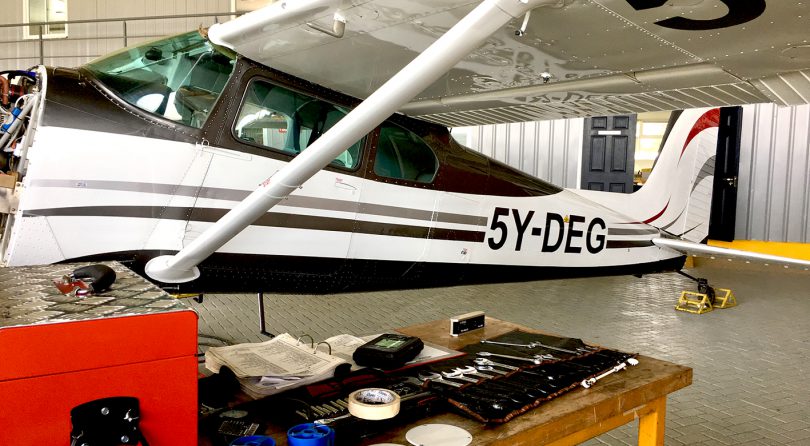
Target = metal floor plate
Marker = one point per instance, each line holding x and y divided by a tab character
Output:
28	296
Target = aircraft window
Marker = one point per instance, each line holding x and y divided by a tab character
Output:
179	78
276	118
401	154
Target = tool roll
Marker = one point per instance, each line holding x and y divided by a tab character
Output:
518	385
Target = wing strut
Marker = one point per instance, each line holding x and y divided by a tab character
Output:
447	51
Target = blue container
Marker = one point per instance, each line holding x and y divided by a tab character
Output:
255	440
310	434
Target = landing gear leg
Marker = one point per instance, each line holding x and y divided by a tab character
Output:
703	286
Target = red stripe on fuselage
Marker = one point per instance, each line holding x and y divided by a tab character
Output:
652	219
709	119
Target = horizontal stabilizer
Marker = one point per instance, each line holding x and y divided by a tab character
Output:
698	249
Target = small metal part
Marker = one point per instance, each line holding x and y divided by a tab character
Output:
124	439
342	403
520	32
517	358
302	414
105	410
338	26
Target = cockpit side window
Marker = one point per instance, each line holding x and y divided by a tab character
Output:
178	78
403	155
273	117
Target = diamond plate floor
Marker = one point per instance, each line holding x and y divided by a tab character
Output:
750	362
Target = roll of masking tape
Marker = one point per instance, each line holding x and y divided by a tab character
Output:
374	404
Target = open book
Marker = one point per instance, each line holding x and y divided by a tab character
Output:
283	362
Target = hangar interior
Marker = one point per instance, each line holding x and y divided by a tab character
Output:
748	362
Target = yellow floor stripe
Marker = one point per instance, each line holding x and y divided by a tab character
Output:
793	250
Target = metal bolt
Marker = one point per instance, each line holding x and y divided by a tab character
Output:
105	411
124	439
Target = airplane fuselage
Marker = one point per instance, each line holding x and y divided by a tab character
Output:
108	180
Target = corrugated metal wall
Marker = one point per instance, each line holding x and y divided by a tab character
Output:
773	202
88	41
549	150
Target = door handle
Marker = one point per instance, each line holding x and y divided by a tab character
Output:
731	181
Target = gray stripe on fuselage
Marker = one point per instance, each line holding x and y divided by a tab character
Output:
217	193
279	220
622	231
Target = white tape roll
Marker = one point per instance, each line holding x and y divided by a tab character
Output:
374	404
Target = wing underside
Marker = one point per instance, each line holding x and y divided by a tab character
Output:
598	56
714	252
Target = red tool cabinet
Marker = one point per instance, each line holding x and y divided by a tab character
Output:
57	352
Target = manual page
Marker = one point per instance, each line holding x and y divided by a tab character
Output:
282	356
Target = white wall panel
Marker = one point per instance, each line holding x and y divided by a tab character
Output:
774	184
549	150
86	41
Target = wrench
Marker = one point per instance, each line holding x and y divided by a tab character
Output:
489	368
435	377
518	358
331	420
578	351
470	370
591	381
485	361
458	375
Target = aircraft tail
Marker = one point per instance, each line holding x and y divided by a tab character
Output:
677	196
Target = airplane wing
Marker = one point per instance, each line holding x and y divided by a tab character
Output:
698	249
580	58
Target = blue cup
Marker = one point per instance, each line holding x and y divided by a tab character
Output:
255	440
310	434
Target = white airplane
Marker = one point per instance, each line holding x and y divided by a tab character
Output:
149	155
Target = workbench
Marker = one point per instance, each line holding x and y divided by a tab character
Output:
638	392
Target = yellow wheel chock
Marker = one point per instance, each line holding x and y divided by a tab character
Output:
699	303
724	298
693	302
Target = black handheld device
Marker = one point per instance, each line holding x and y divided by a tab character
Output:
388	351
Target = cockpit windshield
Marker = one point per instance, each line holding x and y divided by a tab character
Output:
179	78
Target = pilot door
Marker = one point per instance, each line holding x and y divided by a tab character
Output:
304	238
397	208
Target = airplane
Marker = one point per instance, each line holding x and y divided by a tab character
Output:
293	149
